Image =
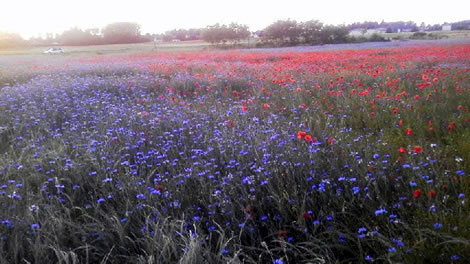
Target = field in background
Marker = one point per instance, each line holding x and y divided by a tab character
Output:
196	46
463	34
122	154
115	49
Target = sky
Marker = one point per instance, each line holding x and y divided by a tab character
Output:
33	17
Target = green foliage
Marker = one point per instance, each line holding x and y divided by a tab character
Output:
311	32
11	40
121	32
77	37
217	33
283	32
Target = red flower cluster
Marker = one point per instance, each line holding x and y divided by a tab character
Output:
417	149
417	193
306	137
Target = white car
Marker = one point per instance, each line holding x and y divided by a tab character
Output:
54	51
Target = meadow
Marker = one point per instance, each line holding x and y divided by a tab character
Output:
273	156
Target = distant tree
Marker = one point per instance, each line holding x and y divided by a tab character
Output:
334	34
182	34
237	32
11	40
78	37
461	25
435	27
217	33
283	32
122	32
214	34
311	31
194	34
366	25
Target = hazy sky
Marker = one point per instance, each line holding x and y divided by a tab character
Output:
31	17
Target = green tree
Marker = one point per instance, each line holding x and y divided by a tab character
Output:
217	33
283	32
334	34
237	32
311	31
10	40
122	32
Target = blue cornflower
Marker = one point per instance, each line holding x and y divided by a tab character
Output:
380	211
341	237
437	225
356	189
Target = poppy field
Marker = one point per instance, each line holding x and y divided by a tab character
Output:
346	156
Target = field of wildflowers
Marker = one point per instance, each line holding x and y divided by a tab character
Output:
350	156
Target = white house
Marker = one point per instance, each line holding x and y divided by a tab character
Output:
366	32
446	27
357	32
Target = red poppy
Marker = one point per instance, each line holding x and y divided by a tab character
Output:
417	193
266	106
432	193
409	132
417	149
308	138
307	216
244	108
159	187
400	123
402	150
301	134
331	140
282	233
451	126
248	209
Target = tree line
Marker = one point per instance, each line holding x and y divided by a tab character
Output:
279	33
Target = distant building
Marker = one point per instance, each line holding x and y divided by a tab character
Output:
366	32
357	32
446	27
